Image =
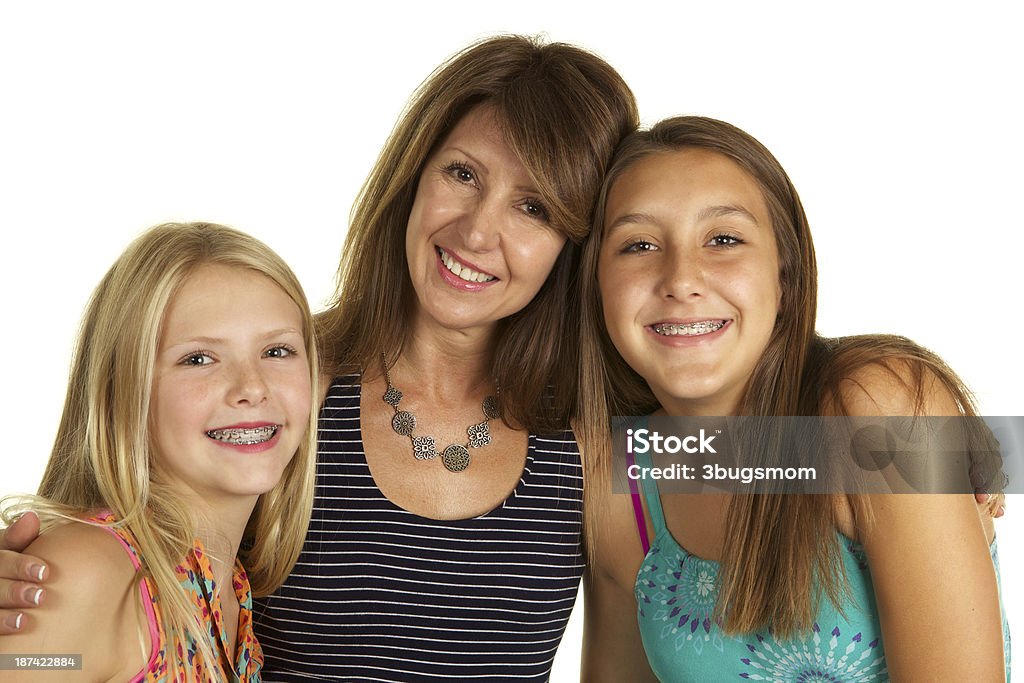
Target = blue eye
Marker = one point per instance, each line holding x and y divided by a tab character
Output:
197	359
280	351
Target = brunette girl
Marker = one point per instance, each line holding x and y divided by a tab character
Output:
699	288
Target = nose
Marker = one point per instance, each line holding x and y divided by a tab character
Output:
481	227
683	277
248	385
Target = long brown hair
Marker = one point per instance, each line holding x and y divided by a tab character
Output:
563	110
780	554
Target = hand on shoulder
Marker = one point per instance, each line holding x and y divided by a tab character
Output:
92	605
928	553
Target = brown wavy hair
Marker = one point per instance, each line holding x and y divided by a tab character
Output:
563	111
780	554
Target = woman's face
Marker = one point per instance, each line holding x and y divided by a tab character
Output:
231	385
478	241
689	277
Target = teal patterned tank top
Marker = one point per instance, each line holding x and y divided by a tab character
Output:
676	594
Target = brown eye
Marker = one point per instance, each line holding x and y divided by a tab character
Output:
535	209
461	172
724	240
638	247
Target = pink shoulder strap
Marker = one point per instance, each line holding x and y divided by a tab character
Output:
638	510
147	598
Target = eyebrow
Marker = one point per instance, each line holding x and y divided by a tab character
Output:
708	212
470	157
529	189
725	210
631	219
213	341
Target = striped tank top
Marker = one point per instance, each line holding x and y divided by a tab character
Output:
382	594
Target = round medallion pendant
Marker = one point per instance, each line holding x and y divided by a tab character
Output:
455	458
403	423
491	407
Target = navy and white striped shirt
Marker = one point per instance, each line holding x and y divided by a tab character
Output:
382	594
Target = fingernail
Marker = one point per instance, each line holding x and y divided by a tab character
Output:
985	497
14	622
36	571
33	595
1002	511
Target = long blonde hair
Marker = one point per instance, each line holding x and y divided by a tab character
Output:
780	554
101	457
563	110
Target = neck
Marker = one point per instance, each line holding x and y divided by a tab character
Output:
444	363
220	527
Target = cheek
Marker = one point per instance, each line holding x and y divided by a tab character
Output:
617	304
178	404
533	259
758	288
301	398
622	282
419	219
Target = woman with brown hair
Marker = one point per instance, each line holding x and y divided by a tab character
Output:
445	541
699	292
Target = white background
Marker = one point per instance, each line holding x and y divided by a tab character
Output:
901	127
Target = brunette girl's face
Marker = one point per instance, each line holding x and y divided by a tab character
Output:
479	242
689	277
231	384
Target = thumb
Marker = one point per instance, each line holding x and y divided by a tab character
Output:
19	535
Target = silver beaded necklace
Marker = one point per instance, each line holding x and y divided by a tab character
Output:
455	457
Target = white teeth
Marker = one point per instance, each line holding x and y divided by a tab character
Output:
689	329
244	437
461	271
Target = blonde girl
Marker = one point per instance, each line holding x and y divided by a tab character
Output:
187	440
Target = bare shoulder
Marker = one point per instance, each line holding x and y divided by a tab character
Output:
895	386
88	603
92	552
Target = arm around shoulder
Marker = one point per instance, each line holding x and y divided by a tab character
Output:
928	554
92	607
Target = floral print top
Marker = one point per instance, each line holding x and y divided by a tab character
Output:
676	594
196	577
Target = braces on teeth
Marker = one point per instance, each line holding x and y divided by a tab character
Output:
690	329
244	437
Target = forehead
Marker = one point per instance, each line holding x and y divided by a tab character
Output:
481	123
678	179
222	296
481	133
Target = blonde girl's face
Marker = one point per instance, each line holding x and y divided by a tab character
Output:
231	387
689	277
